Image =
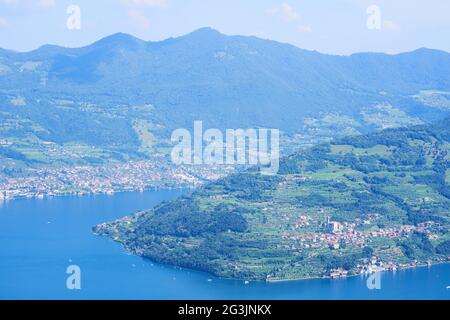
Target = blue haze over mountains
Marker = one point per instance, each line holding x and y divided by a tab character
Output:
226	81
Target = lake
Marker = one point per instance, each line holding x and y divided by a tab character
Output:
40	238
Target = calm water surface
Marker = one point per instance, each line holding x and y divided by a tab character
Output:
39	239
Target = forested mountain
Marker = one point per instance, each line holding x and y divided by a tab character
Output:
370	202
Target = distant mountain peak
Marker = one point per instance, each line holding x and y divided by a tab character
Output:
119	38
205	33
425	50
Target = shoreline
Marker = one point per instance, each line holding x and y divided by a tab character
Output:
130	251
422	265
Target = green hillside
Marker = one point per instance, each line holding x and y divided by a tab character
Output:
369	202
120	98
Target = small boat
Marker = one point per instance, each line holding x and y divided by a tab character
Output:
448	287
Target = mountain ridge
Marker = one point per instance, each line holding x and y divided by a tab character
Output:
204	31
112	89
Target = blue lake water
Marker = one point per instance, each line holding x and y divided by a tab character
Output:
39	239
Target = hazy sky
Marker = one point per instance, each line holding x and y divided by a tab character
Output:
329	26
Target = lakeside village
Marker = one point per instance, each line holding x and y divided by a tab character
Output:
336	235
109	179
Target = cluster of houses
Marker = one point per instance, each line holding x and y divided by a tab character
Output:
108	179
336	234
